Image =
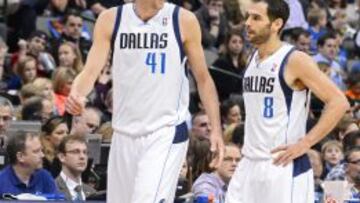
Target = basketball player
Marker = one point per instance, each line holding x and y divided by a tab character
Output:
276	89
150	41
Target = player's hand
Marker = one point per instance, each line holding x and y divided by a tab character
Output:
75	104
286	153
217	149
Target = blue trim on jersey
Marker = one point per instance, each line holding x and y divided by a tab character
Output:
115	31
181	133
301	165
288	92
176	24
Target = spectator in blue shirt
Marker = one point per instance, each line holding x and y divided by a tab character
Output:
24	174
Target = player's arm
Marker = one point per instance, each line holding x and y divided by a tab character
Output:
191	35
95	62
301	67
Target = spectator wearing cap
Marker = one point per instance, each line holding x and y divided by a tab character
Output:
24	174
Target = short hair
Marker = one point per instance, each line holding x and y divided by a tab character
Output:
323	38
16	143
349	152
277	9
32	109
69	139
297	32
4	102
71	12
350	140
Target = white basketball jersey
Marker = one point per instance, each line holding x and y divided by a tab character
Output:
275	114
149	78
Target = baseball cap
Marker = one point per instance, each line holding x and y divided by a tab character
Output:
39	34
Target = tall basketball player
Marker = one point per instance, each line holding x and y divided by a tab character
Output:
150	41
276	89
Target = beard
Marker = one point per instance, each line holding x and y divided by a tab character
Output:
262	36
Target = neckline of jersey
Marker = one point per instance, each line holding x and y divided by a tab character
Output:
135	13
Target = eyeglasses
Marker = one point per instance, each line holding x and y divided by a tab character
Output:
77	152
357	162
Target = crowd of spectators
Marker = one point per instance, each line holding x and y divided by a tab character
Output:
45	43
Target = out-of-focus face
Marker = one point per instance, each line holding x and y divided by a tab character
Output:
201	126
303	43
353	167
75	157
235	45
66	56
333	155
184	170
5	119
216	5
47	110
58	134
32	156
257	24
329	49
227	168
92	120
67	87
73	27
30	71
234	115
48	91
37	45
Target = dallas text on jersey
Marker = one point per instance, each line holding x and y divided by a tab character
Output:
143	40
258	84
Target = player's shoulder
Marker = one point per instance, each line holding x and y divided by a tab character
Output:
299	57
106	20
187	17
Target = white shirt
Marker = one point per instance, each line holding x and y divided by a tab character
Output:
71	185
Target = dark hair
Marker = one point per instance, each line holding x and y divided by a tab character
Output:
242	56
199	113
277	9
350	151
238	135
32	109
226	106
349	140
51	124
68	139
16	143
343	4
71	12
297	32
324	37
200	156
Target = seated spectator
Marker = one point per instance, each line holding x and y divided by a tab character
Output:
36	109
6	116
45	89
216	183
351	140
230	113
87	123
317	19
73	155
200	125
352	158
328	47
70	57
213	23
332	154
24	174
233	61
62	80
53	132
72	32
25	72
301	39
